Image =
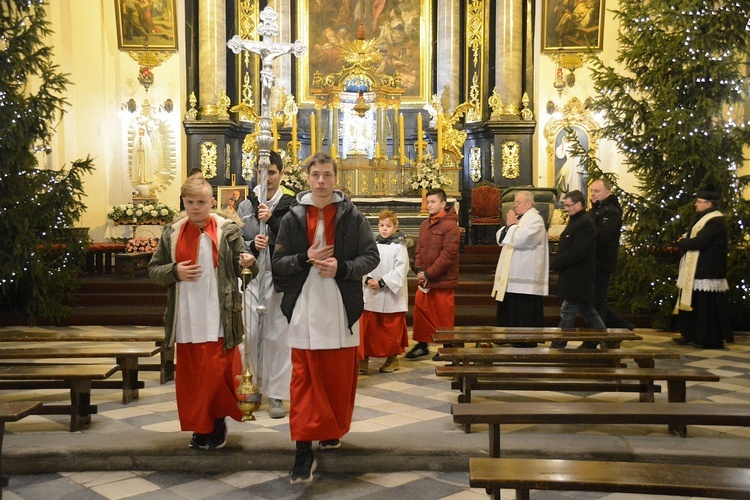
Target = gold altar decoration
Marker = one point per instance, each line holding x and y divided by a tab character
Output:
511	159
209	159
574	115
477	57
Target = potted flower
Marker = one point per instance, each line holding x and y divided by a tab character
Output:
427	175
148	213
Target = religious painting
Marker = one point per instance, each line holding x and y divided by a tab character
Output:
229	197
565	171
572	25
145	24
398	31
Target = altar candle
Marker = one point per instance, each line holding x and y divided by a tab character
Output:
275	132
377	150
313	143
295	156
440	139
419	137
334	151
402	141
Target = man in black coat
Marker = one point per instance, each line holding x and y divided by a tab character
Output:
607	216
575	264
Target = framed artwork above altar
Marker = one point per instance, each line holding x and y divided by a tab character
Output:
142	23
573	25
400	31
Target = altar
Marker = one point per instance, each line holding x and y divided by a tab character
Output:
408	210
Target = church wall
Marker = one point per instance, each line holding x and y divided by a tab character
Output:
102	78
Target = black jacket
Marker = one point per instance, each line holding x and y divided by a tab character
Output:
711	242
354	248
575	261
607	216
247	211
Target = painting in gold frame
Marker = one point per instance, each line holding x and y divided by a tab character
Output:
402	28
573	25
142	23
229	197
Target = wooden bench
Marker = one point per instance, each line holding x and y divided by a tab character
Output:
542	355
77	378
602	379
676	416
126	356
166	355
12	412
460	335
524	474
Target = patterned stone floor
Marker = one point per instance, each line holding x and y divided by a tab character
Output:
388	406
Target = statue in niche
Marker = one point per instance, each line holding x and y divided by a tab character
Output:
143	157
572	173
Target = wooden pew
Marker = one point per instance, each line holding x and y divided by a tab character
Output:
77	378
12	412
166	361
523	474
676	416
543	355
497	377
126	356
610	338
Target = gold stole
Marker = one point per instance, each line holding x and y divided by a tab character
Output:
688	265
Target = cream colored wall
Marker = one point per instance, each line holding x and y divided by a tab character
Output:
544	75
85	47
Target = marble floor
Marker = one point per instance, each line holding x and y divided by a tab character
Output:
411	400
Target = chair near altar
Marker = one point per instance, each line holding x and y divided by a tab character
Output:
484	210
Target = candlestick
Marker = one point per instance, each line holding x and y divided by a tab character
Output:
334	151
377	150
401	145
313	142
275	132
419	137
440	139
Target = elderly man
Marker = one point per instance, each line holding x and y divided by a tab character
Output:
522	274
607	216
575	264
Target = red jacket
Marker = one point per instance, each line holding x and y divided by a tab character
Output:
437	250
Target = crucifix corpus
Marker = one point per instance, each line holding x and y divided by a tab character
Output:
268	50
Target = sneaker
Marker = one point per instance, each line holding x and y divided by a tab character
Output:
417	352
276	408
330	444
304	466
218	438
198	441
390	365
363	366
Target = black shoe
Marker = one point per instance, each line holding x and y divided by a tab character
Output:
304	466
417	351
198	441
681	340
218	438
589	344
330	444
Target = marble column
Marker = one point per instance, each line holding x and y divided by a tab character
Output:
509	45
212	47
448	48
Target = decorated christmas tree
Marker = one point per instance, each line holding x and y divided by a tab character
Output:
674	108
40	257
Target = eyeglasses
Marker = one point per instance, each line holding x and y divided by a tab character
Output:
568	205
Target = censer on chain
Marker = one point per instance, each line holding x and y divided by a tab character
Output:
248	399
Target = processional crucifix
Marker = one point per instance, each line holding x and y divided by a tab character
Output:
268	50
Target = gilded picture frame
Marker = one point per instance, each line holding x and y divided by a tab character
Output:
403	34
229	197
145	24
572	25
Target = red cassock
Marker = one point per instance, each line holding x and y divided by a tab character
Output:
382	334
205	385
324	384
435	309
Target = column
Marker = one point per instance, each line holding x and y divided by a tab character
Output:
509	45
212	47
448	48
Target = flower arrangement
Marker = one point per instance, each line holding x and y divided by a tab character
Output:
136	245
141	213
427	174
295	176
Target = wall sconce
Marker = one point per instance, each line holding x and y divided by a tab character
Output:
570	61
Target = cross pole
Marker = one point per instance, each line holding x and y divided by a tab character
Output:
268	50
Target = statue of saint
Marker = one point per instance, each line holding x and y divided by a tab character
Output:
143	157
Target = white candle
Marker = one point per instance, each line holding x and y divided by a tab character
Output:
401	146
419	137
313	143
440	139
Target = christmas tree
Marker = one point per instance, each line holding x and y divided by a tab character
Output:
674	110
41	258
